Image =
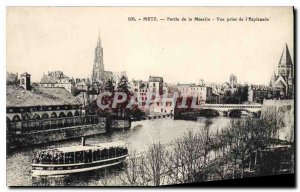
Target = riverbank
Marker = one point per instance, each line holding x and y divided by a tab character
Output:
142	135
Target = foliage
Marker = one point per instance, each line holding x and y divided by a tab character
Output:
237	97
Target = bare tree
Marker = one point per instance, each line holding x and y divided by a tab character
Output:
131	172
155	163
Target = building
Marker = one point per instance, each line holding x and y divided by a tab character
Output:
157	104
39	107
161	106
156	85
25	81
99	75
257	93
190	90
283	82
82	84
57	79
141	89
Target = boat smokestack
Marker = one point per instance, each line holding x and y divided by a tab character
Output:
83	141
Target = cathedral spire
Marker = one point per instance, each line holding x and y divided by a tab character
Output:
99	39
98	67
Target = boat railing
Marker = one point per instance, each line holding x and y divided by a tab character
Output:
84	156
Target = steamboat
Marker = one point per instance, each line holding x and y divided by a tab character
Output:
81	158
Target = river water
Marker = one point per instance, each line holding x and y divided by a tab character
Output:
138	139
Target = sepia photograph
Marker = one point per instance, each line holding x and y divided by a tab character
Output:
149	96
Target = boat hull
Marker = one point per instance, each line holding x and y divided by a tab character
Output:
64	169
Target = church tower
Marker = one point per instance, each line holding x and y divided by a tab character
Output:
233	80
98	67
284	80
285	65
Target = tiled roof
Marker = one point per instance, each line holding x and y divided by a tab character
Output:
49	79
39	96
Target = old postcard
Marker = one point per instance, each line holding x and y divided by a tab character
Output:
148	96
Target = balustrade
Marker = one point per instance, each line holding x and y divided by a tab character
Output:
50	123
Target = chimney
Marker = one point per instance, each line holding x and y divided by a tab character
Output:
83	141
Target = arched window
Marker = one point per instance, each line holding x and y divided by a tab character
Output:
16	118
53	115
69	114
36	116
45	116
62	114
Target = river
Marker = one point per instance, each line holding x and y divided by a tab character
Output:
138	138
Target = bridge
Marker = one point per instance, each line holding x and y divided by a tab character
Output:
226	109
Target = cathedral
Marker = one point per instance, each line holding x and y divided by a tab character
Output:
282	84
98	74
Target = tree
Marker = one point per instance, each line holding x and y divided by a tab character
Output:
109	86
75	91
131	172
155	165
244	93
123	85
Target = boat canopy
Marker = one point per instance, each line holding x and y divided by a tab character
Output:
98	146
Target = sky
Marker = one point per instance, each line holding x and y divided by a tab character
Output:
42	39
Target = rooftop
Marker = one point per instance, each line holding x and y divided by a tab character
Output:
155	79
39	96
89	147
55	77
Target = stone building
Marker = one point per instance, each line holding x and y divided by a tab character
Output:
283	82
157	104
189	90
156	85
141	89
57	79
257	93
40	108
82	84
